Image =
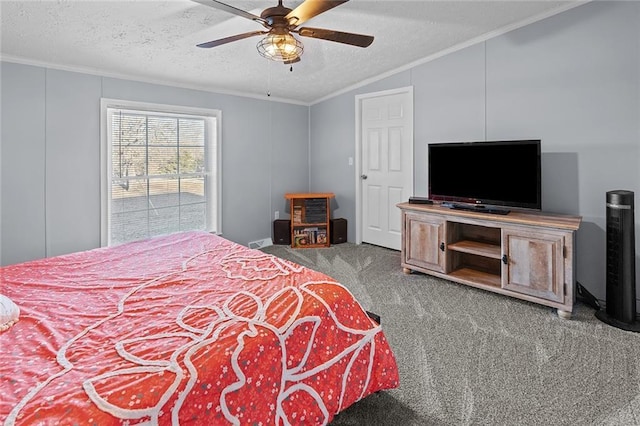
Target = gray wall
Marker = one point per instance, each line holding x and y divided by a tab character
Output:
572	80
50	163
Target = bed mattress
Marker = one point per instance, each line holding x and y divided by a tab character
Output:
187	328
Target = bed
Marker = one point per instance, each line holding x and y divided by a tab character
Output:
187	328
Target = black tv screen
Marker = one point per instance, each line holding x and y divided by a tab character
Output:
493	173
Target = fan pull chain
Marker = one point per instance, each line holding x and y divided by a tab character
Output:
269	79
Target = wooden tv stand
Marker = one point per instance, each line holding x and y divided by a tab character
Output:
527	255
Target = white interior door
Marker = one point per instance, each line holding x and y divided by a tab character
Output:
385	152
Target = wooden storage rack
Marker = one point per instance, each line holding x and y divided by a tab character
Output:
310	219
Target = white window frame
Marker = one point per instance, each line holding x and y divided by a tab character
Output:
214	192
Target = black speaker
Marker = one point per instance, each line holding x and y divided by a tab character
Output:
621	263
338	231
282	231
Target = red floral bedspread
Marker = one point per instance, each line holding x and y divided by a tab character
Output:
188	328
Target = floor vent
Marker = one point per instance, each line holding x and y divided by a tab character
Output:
258	244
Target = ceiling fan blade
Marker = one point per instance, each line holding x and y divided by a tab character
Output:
227	8
310	8
359	40
225	40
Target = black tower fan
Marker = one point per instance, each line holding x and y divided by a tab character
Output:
621	263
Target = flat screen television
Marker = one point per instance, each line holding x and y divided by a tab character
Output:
488	173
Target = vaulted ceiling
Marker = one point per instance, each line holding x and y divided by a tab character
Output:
155	41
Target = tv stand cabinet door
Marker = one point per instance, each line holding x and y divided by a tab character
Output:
424	242
534	264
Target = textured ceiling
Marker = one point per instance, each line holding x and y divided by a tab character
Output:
155	41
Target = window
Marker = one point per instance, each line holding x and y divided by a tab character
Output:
160	170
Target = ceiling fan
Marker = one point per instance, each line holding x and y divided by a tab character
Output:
281	23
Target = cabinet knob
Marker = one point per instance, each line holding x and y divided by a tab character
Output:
441	246
363	177
504	259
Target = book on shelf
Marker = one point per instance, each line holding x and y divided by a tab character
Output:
309	235
300	240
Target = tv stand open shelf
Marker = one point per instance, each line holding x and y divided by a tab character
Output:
476	247
527	255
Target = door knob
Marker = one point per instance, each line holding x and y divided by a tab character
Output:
363	176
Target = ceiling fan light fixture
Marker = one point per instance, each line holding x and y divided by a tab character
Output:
280	47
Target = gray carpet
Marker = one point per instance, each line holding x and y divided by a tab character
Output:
471	357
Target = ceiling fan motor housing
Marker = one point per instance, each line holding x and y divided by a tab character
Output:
276	15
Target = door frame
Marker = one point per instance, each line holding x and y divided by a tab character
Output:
358	149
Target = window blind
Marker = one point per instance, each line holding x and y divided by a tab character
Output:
160	169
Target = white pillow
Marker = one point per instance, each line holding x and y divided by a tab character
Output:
9	313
